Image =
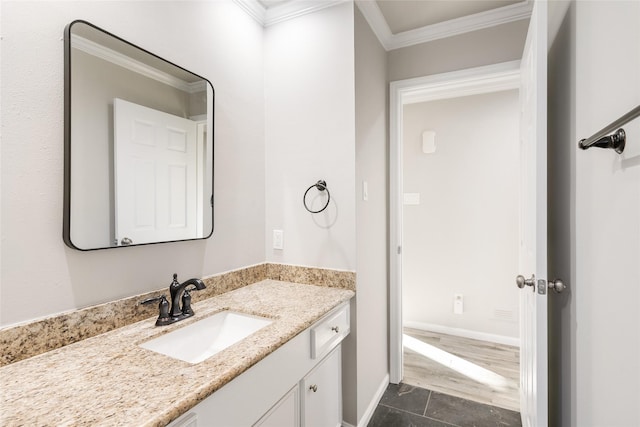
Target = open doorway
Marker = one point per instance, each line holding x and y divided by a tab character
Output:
482	316
530	76
460	246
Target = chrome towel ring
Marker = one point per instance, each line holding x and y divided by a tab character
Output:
321	185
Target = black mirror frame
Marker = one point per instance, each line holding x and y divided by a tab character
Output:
66	224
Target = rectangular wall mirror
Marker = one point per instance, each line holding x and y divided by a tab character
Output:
138	145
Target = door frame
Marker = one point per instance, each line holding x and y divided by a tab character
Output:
472	81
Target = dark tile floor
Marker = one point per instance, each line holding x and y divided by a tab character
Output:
408	406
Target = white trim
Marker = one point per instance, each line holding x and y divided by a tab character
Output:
368	413
474	81
439	86
376	20
294	9
254	9
199	118
465	333
122	60
284	11
395	233
440	30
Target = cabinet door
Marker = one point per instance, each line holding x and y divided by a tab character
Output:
285	413
322	393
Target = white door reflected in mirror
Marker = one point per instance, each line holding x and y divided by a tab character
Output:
156	163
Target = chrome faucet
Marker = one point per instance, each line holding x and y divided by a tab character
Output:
178	292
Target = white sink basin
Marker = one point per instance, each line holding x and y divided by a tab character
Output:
206	337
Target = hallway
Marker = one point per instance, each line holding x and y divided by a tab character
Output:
481	371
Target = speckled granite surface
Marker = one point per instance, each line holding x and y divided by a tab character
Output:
314	276
109	380
26	340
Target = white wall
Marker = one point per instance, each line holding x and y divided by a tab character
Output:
371	215
40	275
463	236
309	135
607	281
595	214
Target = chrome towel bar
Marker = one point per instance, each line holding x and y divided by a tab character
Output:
617	140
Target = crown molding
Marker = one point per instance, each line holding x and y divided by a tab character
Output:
131	64
296	8
283	12
253	9
376	20
453	27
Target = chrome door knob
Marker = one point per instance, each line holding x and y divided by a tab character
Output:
522	282
557	285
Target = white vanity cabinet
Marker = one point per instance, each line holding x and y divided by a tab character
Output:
298	385
285	413
322	402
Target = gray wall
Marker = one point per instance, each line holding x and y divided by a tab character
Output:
371	215
40	276
561	157
468	217
483	47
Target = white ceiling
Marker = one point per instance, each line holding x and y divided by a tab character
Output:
401	23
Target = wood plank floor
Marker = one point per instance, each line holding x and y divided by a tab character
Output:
481	371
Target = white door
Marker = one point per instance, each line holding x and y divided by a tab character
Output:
533	229
155	164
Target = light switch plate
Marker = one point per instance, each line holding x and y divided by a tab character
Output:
278	239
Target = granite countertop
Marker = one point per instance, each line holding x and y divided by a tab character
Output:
109	380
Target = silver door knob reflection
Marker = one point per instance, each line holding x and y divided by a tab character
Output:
313	388
557	285
126	241
522	282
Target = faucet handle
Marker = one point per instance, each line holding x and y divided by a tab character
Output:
186	303
154	299
163	309
186	296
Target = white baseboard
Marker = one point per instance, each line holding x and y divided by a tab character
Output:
465	333
366	417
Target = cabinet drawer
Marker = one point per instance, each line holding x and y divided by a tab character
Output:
330	331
